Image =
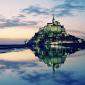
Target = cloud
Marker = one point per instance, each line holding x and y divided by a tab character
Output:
65	8
21	16
13	22
36	10
70	6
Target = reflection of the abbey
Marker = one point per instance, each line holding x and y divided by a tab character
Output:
53	56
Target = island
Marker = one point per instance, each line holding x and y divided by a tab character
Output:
55	34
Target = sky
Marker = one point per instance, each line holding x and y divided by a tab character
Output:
20	19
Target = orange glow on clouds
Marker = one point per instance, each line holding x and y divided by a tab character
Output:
18	32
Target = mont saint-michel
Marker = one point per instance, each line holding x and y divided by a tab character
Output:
55	34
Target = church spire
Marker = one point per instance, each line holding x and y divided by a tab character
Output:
53	20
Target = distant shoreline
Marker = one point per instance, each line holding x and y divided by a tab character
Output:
6	46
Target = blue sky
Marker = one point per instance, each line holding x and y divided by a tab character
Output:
30	13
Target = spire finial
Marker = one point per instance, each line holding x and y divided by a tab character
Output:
53	20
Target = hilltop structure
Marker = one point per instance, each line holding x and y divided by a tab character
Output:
54	33
55	26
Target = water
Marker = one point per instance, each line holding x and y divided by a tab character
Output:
42	66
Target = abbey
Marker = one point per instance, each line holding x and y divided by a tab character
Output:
54	33
55	26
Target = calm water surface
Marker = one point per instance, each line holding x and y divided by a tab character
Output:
42	67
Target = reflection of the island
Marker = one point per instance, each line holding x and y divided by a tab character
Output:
54	55
23	65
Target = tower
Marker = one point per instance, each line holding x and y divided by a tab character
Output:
53	20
